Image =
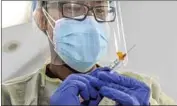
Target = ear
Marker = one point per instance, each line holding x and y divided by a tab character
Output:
40	19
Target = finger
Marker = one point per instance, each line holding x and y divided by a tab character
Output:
92	102
94	72
105	69
95	82
96	101
144	91
119	79
60	98
77	87
118	87
118	96
93	93
70	91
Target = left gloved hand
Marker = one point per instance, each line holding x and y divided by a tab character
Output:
70	89
124	90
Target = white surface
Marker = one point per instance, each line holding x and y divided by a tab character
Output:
151	25
15	12
29	56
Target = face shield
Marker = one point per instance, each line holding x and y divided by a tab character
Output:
99	30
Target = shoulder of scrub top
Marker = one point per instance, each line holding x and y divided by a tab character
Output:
24	78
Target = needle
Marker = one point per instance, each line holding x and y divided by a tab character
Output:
117	62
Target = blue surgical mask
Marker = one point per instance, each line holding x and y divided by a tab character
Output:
80	44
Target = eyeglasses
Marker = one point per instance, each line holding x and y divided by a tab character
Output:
79	11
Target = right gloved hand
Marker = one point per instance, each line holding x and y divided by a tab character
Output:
70	89
122	89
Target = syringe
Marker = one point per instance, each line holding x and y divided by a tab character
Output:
121	57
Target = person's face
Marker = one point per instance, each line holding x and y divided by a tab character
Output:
72	9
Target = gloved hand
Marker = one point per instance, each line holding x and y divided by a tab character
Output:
124	90
70	89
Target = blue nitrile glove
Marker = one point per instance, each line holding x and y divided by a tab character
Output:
95	72
70	89
122	89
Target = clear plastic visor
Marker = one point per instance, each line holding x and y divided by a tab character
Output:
105	13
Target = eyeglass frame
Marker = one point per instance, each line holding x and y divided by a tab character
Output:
60	5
